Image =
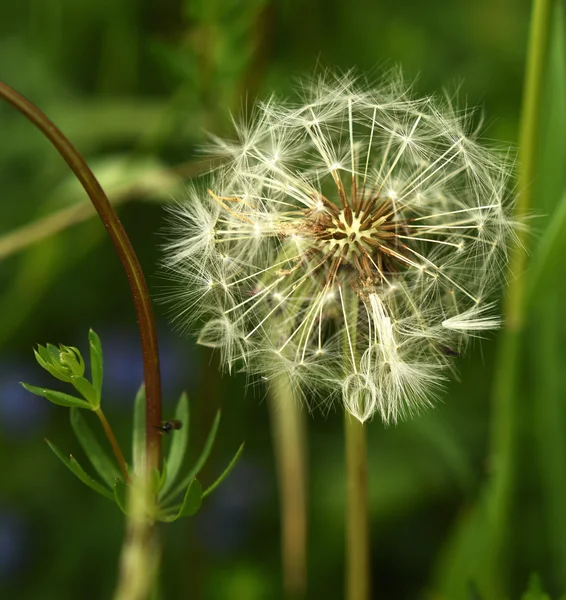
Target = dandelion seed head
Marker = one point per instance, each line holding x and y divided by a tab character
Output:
350	238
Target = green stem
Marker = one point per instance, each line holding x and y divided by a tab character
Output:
357	521
289	441
141	551
130	263
505	392
529	137
358	580
114	443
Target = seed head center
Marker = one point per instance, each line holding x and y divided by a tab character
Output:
361	241
350	234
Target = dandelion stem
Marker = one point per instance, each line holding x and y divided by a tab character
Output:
506	395
289	440
357	521
130	263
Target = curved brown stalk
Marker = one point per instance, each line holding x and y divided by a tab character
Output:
130	263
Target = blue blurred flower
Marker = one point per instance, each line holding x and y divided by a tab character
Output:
123	366
224	523
13	543
21	413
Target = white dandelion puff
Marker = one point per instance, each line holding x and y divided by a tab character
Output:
351	241
474	319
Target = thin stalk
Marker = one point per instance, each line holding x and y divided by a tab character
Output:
506	394
114	443
357	520
358	579
289	441
130	263
141	551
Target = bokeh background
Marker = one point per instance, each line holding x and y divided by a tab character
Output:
136	85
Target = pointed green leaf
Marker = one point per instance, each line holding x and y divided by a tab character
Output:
53	351
42	361
138	450
199	464
96	365
225	473
73	466
192	500
57	397
43	353
99	458
120	494
163	475
71	359
179	443
190	505
85	388
45	362
154	480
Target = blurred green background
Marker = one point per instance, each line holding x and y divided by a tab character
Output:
136	86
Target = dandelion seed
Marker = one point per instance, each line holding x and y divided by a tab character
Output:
354	234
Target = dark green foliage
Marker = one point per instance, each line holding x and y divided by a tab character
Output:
136	85
535	591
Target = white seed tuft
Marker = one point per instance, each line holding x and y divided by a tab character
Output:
349	242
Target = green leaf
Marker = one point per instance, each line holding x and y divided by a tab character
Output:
100	460
43	353
225	473
44	360
179	444
163	475
57	397
190	505
73	466
120	494
199	464
85	388
53	351
138	437
96	365
155	479
71	359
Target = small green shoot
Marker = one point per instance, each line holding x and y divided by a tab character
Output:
172	496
